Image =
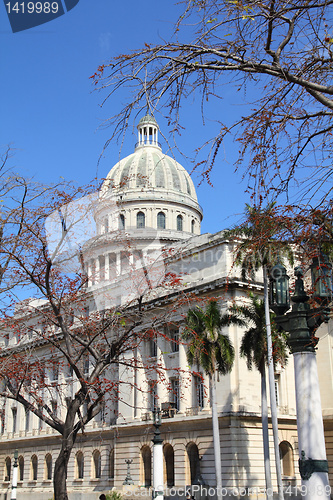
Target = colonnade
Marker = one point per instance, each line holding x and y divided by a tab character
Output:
176	377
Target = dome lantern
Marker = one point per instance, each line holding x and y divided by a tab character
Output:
147	132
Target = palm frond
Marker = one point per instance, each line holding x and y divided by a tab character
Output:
207	346
254	341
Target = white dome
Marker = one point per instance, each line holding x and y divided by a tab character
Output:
149	174
149	190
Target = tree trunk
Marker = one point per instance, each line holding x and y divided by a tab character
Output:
60	468
60	475
272	388
265	438
216	437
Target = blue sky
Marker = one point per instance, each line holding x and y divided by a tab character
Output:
51	115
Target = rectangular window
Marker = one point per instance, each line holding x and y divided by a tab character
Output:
102	414
152	395
14	413
199	391
85	408
174	396
54	406
69	371
2	417
54	373
153	348
277	388
121	222
40	421
27	420
174	338
86	365
171	333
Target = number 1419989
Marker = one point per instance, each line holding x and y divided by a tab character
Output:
32	7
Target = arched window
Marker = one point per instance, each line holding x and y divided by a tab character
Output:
97	464
48	467
287	459
179	223
146	466
161	220
192	226
140	220
193	462
8	468
111	464
169	465
21	468
121	222
79	465
34	468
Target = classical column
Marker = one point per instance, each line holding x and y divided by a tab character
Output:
301	324
158	476
162	393
207	394
107	267
139	386
311	441
89	273
118	264
15	471
97	270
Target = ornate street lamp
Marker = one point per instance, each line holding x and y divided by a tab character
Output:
157	455
321	274
14	481
279	298
128	479
301	323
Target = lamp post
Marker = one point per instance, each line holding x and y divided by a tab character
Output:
157	455
301	323
14	481
128	479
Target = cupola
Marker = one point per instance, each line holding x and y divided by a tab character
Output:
147	132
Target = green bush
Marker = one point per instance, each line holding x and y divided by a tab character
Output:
114	495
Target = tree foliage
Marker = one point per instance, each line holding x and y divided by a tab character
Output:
207	345
18	196
254	342
263	238
60	354
279	53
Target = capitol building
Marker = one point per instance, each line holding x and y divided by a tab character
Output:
147	219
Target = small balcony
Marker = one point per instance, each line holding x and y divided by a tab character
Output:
168	409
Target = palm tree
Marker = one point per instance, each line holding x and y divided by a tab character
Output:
254	349
214	352
261	243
